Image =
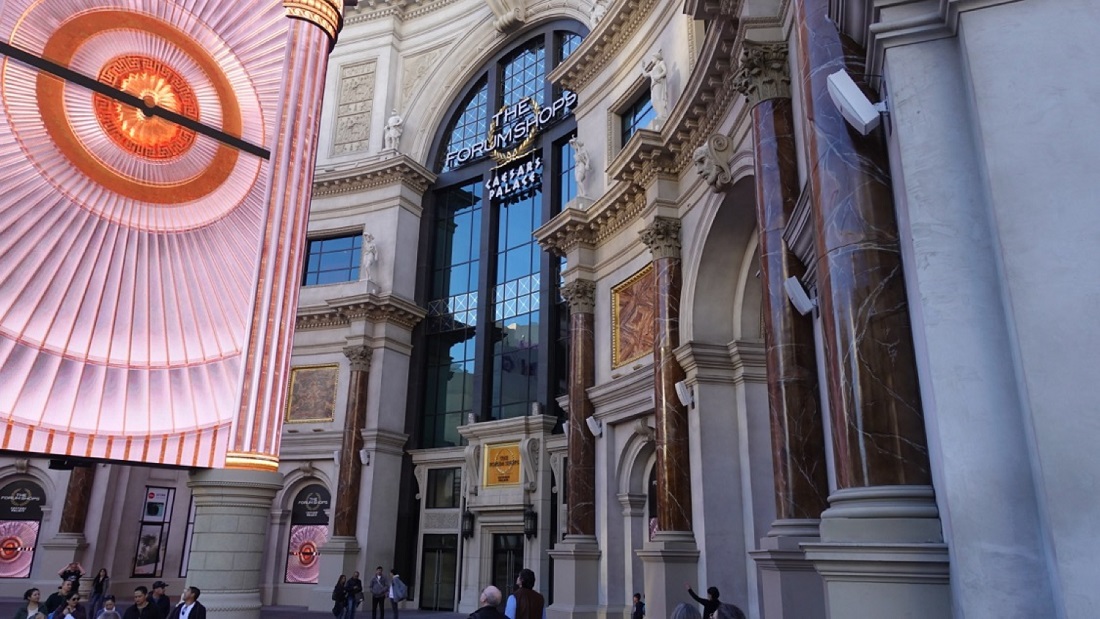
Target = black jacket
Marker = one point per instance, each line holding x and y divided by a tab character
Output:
198	611
709	606
487	612
149	612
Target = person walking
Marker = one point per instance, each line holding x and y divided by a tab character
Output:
101	586
398	591
340	596
353	596
490	603
378	588
638	610
189	606
710	605
33	602
525	602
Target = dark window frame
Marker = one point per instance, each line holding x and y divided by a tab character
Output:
352	269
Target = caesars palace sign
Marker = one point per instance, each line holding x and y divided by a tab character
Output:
512	134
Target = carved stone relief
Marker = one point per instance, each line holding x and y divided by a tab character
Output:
353	110
416	70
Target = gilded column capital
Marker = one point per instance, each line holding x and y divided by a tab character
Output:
662	237
581	295
359	356
327	14
764	73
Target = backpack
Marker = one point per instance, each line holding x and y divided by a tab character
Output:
400	591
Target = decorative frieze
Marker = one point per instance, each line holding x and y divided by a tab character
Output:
581	295
388	308
764	72
662	237
389	171
353	108
416	70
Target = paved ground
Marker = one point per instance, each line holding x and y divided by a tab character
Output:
8	606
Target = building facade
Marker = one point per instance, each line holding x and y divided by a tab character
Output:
549	318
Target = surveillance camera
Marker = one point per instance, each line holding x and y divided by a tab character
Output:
594	426
801	301
853	104
684	393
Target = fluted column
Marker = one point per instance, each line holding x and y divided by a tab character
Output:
871	377
581	498
351	468
256	430
798	448
662	237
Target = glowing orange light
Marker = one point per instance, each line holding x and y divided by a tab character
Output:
157	85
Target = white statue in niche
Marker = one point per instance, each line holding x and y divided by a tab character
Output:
654	68
368	261
581	165
599	9
395	126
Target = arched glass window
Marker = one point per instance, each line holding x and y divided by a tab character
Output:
492	343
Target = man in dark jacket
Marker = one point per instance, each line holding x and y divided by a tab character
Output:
525	603
710	605
353	590
489	600
57	598
379	586
142	609
160	598
189	606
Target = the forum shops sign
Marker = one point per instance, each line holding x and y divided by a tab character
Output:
512	134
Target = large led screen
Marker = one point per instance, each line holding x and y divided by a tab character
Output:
129	242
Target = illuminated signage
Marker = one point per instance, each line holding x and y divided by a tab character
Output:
516	182
513	129
502	465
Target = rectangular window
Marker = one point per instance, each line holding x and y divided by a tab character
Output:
333	260
637	115
567	182
444	488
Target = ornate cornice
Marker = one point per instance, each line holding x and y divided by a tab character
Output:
401	9
594	225
326	14
372	307
581	295
764	73
359	357
378	173
619	26
662	237
713	9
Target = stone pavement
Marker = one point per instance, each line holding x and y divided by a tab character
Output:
8	606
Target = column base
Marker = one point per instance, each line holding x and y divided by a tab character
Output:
60	551
576	578
791	587
232	510
670	560
338	556
882	554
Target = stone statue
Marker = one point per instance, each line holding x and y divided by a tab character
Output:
711	161
394	128
599	9
368	260
654	68
580	165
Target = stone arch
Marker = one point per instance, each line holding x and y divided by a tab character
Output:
295	480
30	472
638	456
722	308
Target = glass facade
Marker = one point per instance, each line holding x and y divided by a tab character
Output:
333	260
492	337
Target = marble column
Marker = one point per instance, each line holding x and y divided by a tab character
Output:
672	557
340	554
662	237
790	586
884	495
577	556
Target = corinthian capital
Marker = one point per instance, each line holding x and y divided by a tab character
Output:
662	237
327	14
764	72
581	295
359	356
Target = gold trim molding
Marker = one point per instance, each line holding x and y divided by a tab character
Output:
326	14
251	461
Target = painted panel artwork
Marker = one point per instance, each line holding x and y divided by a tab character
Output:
130	243
632	317
312	394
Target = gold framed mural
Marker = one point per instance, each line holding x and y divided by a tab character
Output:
502	465
311	397
632	317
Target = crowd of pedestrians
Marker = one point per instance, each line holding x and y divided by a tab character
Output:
65	602
348	594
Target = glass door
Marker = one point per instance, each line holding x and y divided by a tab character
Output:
507	560
437	578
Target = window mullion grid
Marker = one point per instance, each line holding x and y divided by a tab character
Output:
483	376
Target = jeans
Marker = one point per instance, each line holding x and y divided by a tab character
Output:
378	607
349	609
393	605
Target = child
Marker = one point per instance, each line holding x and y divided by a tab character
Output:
639	607
108	611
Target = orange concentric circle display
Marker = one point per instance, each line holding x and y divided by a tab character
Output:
157	84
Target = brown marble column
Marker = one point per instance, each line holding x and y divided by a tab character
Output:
351	468
798	437
871	377
581	497
673	467
78	495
